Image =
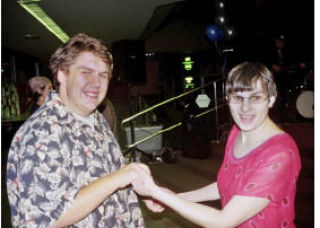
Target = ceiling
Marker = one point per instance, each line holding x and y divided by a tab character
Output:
165	25
109	20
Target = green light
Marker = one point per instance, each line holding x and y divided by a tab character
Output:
35	10
188	63
188	82
188	79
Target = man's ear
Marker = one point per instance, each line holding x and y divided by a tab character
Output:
272	100
61	76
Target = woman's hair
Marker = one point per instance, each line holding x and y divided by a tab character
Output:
38	82
244	76
66	54
34	84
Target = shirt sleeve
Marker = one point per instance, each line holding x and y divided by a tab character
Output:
44	187
271	177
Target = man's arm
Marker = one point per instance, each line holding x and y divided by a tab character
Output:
91	196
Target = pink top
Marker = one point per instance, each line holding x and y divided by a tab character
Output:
270	171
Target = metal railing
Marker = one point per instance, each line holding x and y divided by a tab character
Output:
150	109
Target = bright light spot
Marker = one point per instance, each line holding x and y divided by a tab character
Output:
189	79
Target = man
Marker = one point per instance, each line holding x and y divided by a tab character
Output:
65	167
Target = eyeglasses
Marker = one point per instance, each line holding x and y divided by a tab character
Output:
255	99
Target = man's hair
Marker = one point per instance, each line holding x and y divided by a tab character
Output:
66	54
244	76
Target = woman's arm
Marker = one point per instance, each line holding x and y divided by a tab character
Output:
206	193
238	210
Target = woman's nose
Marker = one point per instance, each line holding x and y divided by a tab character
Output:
245	105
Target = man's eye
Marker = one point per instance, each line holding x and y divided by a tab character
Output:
104	75
87	73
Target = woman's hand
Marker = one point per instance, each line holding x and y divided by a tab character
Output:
154	205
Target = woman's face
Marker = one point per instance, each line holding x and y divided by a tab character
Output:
47	89
249	109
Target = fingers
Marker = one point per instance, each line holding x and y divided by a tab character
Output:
144	167
129	173
154	206
140	167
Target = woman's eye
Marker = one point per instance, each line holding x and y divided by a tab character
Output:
256	98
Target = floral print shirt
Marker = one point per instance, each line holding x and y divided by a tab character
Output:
52	156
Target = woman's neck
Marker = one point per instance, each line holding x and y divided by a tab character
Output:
267	129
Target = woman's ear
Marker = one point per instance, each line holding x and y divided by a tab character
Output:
272	100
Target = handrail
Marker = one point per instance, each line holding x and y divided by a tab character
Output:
167	101
172	127
177	124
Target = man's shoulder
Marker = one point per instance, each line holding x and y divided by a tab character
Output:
37	120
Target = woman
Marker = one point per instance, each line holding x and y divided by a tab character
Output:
257	180
40	87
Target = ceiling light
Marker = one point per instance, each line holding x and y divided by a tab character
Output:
32	7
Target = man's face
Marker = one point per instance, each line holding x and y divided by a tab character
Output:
85	85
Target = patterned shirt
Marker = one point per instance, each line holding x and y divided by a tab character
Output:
269	171
52	156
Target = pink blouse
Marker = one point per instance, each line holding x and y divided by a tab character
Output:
270	171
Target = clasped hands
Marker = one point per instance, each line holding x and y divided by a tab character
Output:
144	185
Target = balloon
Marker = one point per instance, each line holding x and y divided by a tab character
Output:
214	33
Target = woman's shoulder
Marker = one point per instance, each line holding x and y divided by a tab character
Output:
281	139
282	146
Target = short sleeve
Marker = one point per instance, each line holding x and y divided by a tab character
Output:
39	178
270	178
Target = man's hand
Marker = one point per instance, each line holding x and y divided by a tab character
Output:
143	183
131	172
